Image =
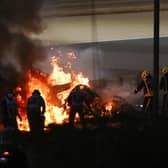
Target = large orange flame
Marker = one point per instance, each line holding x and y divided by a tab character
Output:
54	113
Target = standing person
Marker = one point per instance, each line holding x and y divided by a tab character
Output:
35	111
9	111
164	89
77	102
146	84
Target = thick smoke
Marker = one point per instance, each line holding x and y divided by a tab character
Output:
21	14
19	19
124	92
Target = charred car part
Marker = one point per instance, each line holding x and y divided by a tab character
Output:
53	89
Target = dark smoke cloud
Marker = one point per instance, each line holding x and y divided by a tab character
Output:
28	52
18	52
21	14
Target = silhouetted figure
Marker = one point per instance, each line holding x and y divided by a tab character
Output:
147	85
77	102
35	111
164	89
9	111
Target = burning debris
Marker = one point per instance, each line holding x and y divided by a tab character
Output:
54	87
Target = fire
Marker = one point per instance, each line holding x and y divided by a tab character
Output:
71	55
55	112
58	76
109	106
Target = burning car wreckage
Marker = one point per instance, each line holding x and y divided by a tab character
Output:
53	89
98	106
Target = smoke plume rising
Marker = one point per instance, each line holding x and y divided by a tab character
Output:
124	92
18	52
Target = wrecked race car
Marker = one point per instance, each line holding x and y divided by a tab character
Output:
98	106
93	101
52	89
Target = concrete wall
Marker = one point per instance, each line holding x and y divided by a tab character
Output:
111	27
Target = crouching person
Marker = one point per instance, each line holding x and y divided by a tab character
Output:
77	102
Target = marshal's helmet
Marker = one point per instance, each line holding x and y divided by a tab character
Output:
144	74
165	69
36	91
